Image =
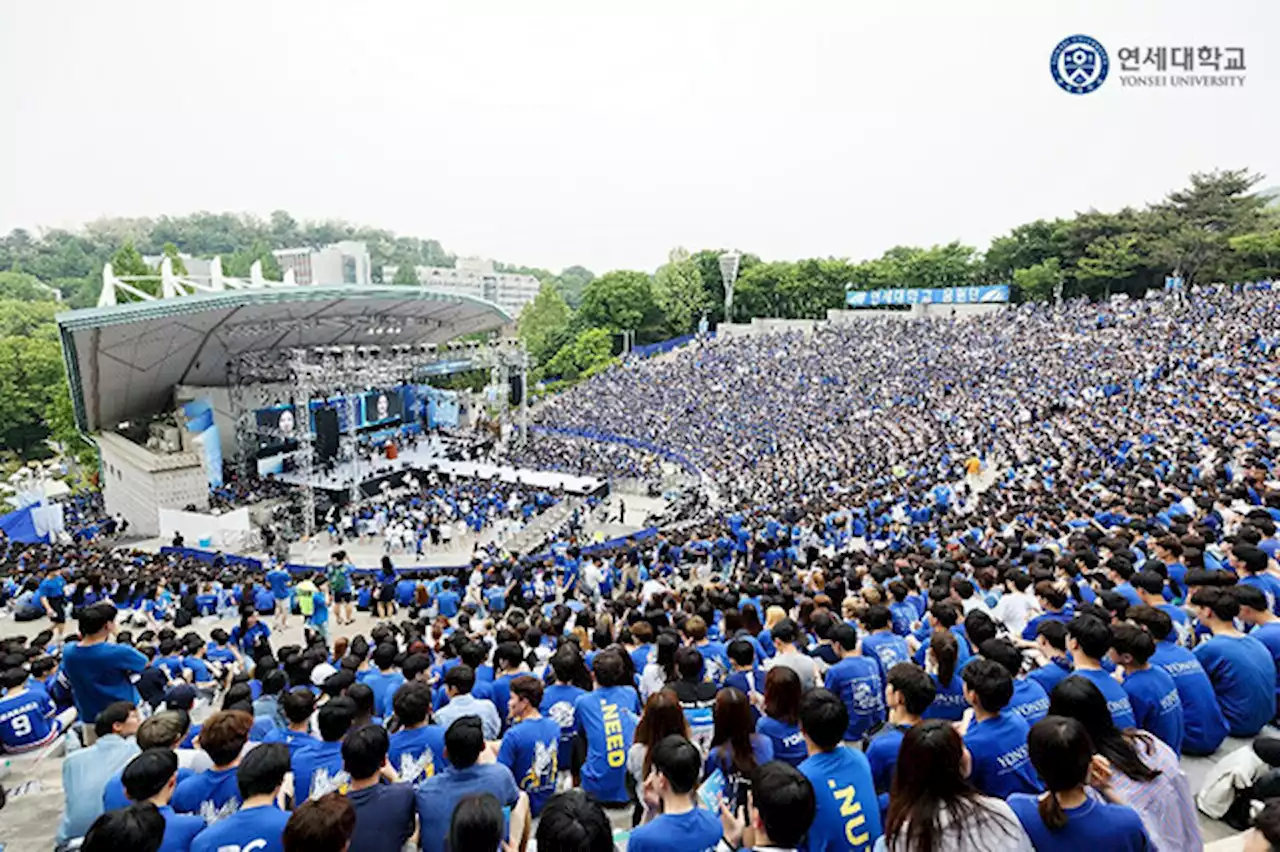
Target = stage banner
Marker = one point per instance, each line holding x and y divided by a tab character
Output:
199	416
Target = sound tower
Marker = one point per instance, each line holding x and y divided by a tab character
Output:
326	433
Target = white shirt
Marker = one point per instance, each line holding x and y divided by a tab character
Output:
1014	610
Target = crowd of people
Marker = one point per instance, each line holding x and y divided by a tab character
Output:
862	645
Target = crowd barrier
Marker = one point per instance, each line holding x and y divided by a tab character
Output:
664	346
208	556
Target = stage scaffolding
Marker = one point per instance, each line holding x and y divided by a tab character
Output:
298	376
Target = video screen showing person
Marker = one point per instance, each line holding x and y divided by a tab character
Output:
282	420
382	406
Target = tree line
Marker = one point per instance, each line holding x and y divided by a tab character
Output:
1217	228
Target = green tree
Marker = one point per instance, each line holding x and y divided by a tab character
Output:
171	251
1040	281
678	291
406	275
1108	265
708	261
621	301
23	287
589	352
30	372
1195	224
1257	254
762	291
238	264
572	281
127	262
543	326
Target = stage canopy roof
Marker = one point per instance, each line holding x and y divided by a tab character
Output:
124	360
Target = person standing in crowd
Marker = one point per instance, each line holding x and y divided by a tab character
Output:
258	824
530	747
785	634
859	681
338	573
99	670
606	719
278	580
1066	817
847	815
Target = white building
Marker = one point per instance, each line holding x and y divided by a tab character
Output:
474	276
345	262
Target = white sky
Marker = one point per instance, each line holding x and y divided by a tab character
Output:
551	132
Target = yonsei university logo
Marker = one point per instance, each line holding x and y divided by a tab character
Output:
1079	64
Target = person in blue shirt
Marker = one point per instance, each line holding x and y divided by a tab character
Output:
606	718
859	681
908	693
847	814
559	699
673	818
28	718
1150	588
781	811
781	719
996	737
1240	667
259	823
278	579
99	670
1263	624
448	600
87	772
1067	818
530	747
1029	700
744	674
317	769
1051	642
213	793
438	796
882	642
1089	641
52	595
1053	602
151	777
246	635
1152	693
297	707
948	702
1250	564
1204	727
416	751
384	680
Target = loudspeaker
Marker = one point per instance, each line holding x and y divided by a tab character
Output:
517	386
326	433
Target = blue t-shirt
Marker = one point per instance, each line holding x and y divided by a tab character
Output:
438	797
1156	705
697	830
1117	698
257	829
530	749
948	702
1029	700
448	603
1051	674
1269	635
858	682
179	829
607	719
26	720
557	703
278	580
847	817
882	754
1001	764
1204	725
384	686
317	770
887	648
417	753
1243	675
295	740
1093	825
1029	632
114	797
788	742
213	794
100	675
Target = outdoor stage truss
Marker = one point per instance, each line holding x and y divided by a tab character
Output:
262	379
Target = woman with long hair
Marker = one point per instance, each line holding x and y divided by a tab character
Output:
736	749
662	717
933	808
661	671
1144	771
386	589
1062	754
941	664
780	723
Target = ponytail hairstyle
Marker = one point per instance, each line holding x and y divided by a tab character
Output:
946	651
1061	751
